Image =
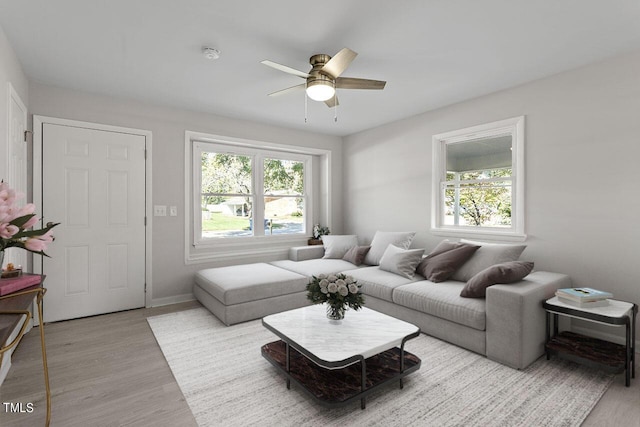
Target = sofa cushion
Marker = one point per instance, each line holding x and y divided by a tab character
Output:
378	283
356	254
488	255
444	260
250	282
314	267
382	239
443	300
336	246
401	261
505	273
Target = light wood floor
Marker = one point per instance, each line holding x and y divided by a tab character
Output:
109	371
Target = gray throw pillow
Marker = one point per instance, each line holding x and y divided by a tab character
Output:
356	254
489	254
444	260
508	272
336	246
401	261
382	240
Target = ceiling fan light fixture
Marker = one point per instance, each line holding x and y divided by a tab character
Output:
320	90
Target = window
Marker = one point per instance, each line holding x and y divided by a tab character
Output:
242	192
478	181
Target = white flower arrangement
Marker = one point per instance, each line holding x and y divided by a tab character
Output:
337	290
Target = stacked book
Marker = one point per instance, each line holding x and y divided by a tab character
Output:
584	297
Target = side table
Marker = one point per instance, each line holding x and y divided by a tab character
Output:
592	351
13	307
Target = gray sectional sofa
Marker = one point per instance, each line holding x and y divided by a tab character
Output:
507	326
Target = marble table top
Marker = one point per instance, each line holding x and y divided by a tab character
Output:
615	309
364	332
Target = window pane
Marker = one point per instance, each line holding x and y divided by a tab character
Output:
228	217
224	177
478	205
283	215
485	174
478	154
283	177
481	174
226	173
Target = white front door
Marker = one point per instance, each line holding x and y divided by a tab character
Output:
93	184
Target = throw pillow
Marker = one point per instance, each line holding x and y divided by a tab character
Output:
508	272
489	254
401	261
336	246
356	254
382	240
444	260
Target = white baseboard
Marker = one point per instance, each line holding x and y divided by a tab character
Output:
157	302
605	336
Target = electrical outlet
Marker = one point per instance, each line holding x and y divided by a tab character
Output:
159	210
173	210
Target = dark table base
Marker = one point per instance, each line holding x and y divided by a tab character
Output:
593	352
338	387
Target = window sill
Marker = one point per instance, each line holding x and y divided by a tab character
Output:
502	236
252	249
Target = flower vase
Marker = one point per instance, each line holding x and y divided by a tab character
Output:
335	312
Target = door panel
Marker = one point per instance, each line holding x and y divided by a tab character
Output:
94	184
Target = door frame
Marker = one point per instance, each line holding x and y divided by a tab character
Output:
13	96
38	122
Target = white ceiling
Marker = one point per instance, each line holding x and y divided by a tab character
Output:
431	53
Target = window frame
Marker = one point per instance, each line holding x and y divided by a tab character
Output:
318	187
512	126
257	155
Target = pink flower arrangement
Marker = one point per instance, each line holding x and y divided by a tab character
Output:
15	224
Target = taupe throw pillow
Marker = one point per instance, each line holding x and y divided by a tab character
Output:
356	254
508	272
489	254
444	260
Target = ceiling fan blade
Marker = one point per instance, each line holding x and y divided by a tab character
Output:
339	62
284	68
353	83
288	90
332	102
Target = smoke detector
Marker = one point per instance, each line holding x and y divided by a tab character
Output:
210	53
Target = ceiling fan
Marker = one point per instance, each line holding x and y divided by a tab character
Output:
324	77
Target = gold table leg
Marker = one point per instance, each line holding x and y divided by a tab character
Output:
44	356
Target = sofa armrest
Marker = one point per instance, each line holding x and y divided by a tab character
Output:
516	320
303	253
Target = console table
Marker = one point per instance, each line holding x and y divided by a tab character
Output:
17	307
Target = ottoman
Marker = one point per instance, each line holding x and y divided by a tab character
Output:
245	292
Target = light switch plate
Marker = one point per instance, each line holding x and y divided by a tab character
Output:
159	210
173	210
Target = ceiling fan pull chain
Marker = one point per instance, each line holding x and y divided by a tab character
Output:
305	101
335	103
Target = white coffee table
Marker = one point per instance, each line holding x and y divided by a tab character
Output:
337	362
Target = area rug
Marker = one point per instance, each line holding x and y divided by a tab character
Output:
227	382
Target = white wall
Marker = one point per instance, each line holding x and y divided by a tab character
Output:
582	153
172	279
10	72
